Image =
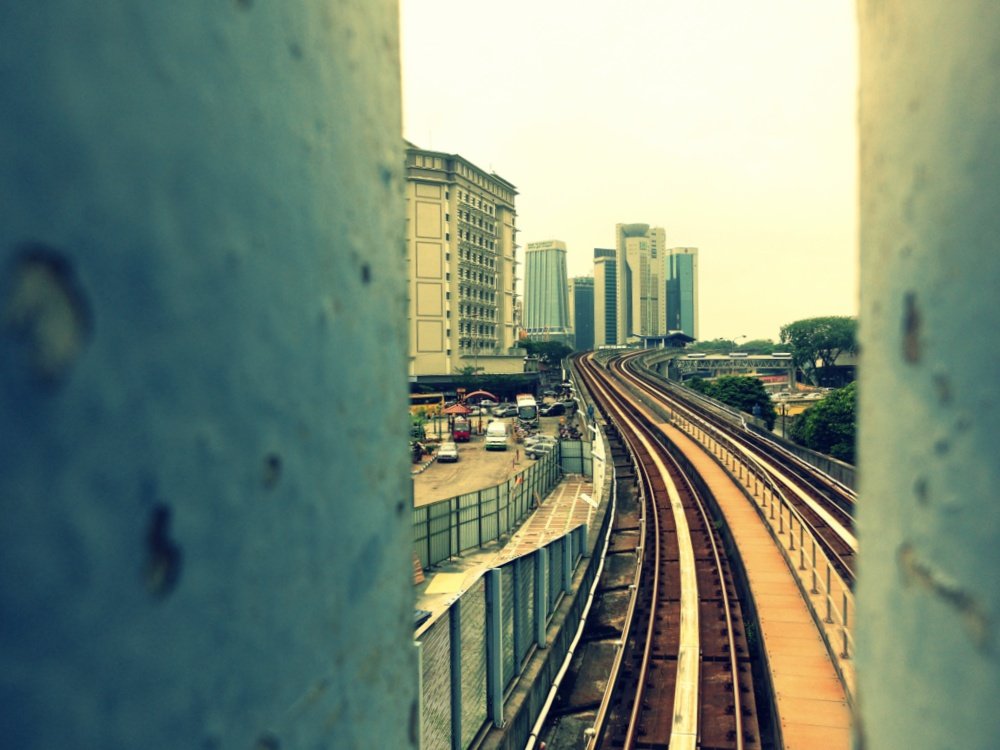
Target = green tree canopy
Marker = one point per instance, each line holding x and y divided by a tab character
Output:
715	346
757	346
820	339
829	426
547	351
739	391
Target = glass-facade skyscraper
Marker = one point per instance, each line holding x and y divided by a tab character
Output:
546	297
680	287
605	297
581	311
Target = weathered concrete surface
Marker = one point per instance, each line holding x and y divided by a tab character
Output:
206	532
928	603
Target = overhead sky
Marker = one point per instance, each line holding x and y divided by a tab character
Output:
731	124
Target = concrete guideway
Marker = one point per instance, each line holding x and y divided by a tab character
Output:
811	703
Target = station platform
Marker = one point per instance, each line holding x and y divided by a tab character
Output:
810	701
567	506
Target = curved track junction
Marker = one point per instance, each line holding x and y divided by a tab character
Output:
681	676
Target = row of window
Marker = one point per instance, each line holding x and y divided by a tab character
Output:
474	311
466	292
477	276
476	221
477	343
476	239
483	329
476	201
483	260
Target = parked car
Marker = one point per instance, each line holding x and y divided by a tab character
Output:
539	449
553	410
447	451
505	410
533	440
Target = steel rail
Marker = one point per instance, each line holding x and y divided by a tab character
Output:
651	442
587	371
736	447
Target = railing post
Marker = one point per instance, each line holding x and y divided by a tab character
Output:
427	521
814	589
455	633
541	595
494	646
791	532
829	596
567	567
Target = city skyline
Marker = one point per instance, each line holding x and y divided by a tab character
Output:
733	128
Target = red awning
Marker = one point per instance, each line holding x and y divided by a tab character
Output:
457	409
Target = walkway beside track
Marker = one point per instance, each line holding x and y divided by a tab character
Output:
810	700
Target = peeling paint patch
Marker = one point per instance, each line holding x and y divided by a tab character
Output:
943	387
271	471
47	312
911	329
163	562
916	572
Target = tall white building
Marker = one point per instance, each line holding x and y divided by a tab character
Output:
546	299
461	253
638	249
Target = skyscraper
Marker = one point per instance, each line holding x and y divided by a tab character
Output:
546	301
460	243
679	287
581	311
605	297
638	249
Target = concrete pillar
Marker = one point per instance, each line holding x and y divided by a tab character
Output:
928	600
205	495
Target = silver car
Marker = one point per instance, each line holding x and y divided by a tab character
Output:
447	451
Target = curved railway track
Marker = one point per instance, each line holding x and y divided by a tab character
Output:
822	505
684	677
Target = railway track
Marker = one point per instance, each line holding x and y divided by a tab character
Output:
822	505
683	679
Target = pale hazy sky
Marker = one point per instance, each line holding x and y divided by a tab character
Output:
729	123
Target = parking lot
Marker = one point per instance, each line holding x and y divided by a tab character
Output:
476	467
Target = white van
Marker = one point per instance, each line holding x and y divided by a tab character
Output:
496	436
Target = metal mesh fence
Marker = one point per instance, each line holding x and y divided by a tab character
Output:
555	574
526	601
507	620
436	666
469	521
473	660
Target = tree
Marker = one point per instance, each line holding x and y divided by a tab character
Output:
715	346
820	339
756	346
739	391
546	351
829	426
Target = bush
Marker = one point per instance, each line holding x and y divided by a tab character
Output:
740	392
830	426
